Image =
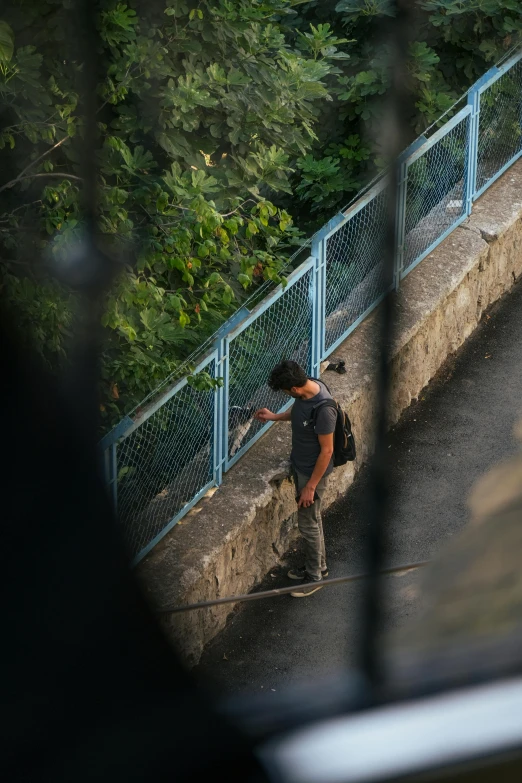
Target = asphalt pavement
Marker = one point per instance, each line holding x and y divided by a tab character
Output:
460	427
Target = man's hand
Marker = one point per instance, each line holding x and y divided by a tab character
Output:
306	498
263	414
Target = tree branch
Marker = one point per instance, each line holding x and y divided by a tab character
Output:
35	176
7	215
223	215
248	201
21	125
47	152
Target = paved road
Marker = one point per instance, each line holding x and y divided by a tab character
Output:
460	427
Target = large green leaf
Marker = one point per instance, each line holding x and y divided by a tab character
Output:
6	42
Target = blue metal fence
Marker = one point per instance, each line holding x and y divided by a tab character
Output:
353	272
435	191
281	326
159	463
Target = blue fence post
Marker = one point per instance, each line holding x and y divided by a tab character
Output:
474	100
219	408
400	210
221	345
108	448
318	294
472	151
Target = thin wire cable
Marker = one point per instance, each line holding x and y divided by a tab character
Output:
236	599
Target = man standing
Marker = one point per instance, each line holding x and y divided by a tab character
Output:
311	460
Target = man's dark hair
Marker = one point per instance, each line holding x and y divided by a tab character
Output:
287	374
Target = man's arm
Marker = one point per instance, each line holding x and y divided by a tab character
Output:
306	498
265	415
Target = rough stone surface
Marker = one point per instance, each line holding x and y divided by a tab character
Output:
230	540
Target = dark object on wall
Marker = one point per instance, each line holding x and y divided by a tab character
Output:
337	365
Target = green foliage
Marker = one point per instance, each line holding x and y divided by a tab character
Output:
204	108
202	381
474	33
6	43
454	43
221	125
44	313
365	8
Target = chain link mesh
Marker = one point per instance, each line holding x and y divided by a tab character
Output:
165	463
500	131
281	332
354	269
436	192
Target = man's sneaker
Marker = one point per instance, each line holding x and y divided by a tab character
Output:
308	587
300	573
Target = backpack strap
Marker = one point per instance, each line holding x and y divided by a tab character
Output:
331	403
318	380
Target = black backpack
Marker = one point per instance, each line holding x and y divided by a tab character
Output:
344	441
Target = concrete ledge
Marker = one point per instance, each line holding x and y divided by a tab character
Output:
231	539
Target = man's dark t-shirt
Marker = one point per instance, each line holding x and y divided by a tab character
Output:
305	443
